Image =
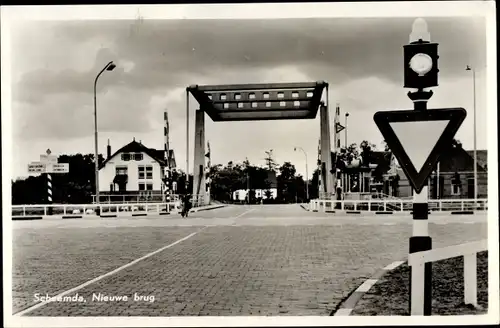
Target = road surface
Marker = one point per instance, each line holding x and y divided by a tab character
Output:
237	260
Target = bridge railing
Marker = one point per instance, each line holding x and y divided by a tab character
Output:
418	260
391	205
90	209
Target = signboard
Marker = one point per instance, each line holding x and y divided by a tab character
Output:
339	127
36	167
58	168
417	138
48	158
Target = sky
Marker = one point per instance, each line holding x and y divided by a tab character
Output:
54	64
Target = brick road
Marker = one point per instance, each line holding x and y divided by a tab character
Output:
262	260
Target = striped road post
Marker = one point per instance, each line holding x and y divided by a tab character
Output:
49	193
167	174
421	298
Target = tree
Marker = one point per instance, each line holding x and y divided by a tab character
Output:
367	149
286	183
270	163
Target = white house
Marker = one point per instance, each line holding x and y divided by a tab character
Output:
133	169
242	194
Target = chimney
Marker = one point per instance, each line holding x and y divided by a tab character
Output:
109	150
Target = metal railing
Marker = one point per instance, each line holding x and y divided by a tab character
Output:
417	263
393	205
145	197
90	209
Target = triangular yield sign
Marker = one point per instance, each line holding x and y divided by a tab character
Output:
340	127
418	137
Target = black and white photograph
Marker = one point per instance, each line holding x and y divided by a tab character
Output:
250	164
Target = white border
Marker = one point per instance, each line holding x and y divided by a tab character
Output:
17	14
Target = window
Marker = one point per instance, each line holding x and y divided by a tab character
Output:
237	96
149	186
254	105
309	94
226	105
142	170
295	95
149	172
268	104
141	186
281	95
456	185
125	157
138	156
210	97
222	96
240	105
121	170
296	103
282	103
251	95
265	95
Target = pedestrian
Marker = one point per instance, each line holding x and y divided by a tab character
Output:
186	205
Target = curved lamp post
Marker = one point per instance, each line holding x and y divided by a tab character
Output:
307	171
109	67
470	68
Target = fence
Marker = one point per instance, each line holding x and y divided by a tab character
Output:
145	197
393	205
90	209
417	263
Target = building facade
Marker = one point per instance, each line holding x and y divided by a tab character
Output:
133	169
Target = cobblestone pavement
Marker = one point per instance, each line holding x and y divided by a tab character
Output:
249	261
54	260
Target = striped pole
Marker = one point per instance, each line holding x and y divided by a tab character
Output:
319	169
420	300
166	148
49	193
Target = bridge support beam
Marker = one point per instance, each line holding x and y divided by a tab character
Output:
327	178
199	186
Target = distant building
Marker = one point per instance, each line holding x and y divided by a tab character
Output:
242	194
456	177
133	169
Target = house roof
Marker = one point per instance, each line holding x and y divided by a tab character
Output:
457	159
136	147
482	157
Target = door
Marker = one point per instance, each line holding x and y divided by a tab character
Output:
470	188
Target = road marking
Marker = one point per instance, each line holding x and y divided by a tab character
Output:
343	312
72	290
366	286
389	223
246	212
393	265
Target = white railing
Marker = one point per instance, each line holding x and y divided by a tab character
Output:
144	197
90	209
417	263
393	205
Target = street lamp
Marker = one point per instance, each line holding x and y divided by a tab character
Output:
346	116
470	68
307	172
109	67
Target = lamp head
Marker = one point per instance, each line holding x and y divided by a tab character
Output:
346	114
294	148
419	31
468	68
111	66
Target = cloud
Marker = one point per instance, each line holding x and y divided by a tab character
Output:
55	63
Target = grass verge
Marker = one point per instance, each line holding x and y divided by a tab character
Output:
389	296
